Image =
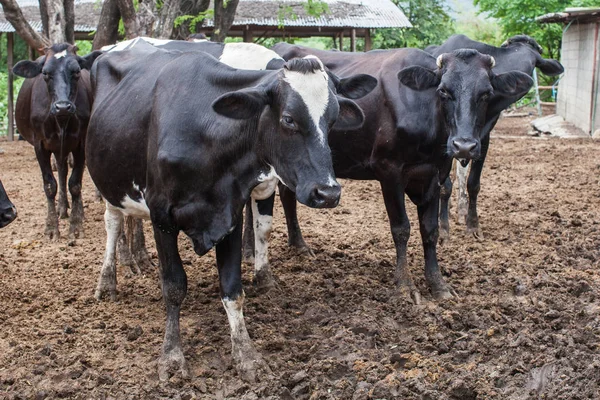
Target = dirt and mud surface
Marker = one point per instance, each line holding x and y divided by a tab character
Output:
526	324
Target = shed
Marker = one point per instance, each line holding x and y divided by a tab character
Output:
578	101
87	13
289	18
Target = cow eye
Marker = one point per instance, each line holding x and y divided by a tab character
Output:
485	97
444	94
288	121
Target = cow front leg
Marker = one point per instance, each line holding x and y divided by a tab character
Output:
393	196
445	194
248	237
428	225
43	157
248	362
63	201
262	212
76	221
473	187
174	289
107	283
295	239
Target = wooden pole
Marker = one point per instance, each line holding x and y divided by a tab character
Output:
367	39
353	40
248	35
9	62
342	41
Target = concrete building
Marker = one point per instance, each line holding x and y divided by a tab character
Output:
578	101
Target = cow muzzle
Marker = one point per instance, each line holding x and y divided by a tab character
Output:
7	216
62	108
323	196
466	148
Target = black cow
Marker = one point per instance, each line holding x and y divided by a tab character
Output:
159	146
8	211
52	113
424	112
520	53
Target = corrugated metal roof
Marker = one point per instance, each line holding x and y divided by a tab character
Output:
582	14
342	13
37	26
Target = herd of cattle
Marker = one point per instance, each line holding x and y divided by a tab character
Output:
188	133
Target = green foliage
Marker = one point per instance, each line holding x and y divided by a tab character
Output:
194	20
518	17
484	30
432	24
316	8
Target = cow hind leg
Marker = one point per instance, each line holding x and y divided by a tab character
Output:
248	237
445	195
107	283
262	211
63	201
43	157
248	362
394	198
174	289
295	239
140	255
76	221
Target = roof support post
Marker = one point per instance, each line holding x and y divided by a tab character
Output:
9	64
367	39
248	37
353	40
342	40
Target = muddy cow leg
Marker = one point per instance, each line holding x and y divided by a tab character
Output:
428	210
295	239
248	361
248	237
174	289
473	187
139	252
107	283
462	204
76	221
262	212
63	201
43	157
393	196
445	194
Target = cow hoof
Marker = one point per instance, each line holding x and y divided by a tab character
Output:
263	280
476	232
444	236
52	234
63	214
75	232
172	363
248	257
106	289
444	292
142	262
410	292
305	251
252	367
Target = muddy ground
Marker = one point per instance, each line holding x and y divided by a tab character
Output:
527	322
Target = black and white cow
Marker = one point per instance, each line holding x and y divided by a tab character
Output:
52	113
248	56
424	112
182	139
8	211
519	53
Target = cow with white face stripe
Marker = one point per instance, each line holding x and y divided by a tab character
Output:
162	148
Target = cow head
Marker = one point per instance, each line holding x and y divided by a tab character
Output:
8	212
296	111
465	83
547	66
60	67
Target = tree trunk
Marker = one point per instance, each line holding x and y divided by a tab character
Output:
129	18
56	21
70	21
107	31
168	13
224	15
189	7
44	16
145	18
13	14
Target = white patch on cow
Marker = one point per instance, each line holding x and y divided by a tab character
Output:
263	225
247	56
463	202
126	44
269	176
264	189
198	40
113	222
61	54
133	208
331	181
235	316
313	89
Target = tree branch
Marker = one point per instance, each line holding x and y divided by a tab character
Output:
13	14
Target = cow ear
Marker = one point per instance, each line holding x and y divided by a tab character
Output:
28	69
418	78
86	62
241	104
356	86
350	117
549	67
514	83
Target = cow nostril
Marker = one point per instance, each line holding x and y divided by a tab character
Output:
471	146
